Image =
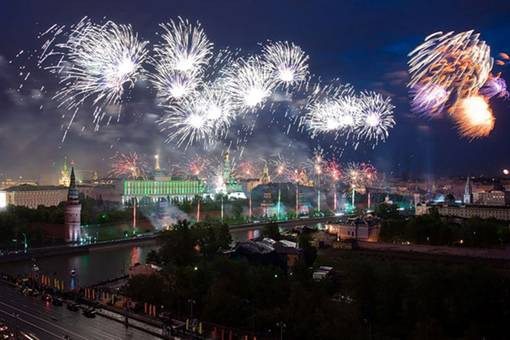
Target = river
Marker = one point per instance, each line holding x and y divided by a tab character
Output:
99	264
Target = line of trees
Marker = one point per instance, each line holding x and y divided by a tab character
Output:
437	230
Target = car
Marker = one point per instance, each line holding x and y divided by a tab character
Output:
90	312
3	327
73	307
46	298
57	301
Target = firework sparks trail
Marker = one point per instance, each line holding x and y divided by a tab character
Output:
473	117
458	63
280	166
429	99
128	165
376	117
97	63
287	62
494	87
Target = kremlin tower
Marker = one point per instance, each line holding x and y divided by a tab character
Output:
64	175
72	212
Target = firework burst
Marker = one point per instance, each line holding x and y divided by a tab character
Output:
249	84
287	62
96	63
179	60
458	63
376	117
128	165
198	166
204	117
494	87
473	117
359	175
185	47
340	115
429	99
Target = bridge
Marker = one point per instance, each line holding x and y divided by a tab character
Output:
286	224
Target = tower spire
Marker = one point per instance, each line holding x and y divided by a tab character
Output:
468	192
72	195
157	167
265	174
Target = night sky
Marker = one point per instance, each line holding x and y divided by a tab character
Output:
364	43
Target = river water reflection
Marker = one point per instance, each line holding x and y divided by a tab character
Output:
100	263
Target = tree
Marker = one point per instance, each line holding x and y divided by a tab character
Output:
212	237
147	288
272	230
178	245
387	211
309	251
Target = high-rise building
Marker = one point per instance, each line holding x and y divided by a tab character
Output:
72	212
468	192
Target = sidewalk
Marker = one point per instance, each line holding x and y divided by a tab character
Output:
157	331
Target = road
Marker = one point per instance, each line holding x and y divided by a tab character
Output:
45	321
288	223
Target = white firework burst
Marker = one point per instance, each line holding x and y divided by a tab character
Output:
185	47
205	117
172	85
288	62
376	117
339	115
249	83
97	63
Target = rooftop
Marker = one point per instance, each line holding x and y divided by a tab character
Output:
29	187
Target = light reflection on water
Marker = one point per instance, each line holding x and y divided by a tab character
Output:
99	264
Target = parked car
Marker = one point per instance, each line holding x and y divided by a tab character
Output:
90	312
73	306
57	301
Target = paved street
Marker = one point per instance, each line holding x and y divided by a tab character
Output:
45	321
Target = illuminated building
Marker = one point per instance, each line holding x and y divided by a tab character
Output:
466	211
72	211
64	179
168	189
496	196
3	199
356	229
32	196
267	205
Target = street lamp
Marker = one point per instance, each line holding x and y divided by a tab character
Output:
191	303
282	325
